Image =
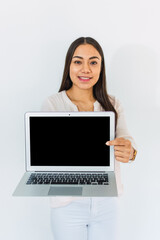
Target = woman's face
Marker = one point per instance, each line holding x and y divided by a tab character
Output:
85	66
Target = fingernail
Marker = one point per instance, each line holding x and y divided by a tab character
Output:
107	143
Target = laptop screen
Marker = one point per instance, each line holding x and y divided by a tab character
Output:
69	141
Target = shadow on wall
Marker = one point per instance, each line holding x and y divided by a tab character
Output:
133	69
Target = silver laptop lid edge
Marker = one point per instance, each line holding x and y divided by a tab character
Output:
62	168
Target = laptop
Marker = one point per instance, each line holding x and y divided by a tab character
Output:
66	155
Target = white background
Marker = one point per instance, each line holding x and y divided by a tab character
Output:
34	38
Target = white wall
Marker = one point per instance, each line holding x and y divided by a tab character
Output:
34	38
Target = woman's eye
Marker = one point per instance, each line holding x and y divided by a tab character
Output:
77	62
93	63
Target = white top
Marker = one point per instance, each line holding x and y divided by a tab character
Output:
61	102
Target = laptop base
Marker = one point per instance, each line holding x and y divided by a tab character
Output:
48	190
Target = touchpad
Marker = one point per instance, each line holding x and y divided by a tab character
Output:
65	191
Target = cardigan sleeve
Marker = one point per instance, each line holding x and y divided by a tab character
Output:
121	129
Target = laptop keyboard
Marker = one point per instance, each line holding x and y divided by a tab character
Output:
69	178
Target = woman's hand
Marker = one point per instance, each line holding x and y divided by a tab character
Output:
123	149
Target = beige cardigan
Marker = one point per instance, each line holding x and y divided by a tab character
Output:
61	102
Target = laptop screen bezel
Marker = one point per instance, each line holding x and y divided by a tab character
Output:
109	114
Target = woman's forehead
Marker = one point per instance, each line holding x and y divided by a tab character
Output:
86	51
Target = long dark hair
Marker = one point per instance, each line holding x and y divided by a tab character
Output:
100	88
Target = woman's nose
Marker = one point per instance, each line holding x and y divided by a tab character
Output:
86	68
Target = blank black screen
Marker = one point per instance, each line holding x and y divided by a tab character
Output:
69	141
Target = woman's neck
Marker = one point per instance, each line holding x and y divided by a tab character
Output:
83	99
80	95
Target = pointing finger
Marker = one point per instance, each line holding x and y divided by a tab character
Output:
116	142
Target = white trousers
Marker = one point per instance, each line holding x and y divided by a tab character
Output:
86	219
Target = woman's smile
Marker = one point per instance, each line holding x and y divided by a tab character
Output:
84	79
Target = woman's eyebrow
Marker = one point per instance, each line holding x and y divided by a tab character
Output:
89	58
94	57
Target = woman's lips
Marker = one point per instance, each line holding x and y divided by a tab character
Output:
84	79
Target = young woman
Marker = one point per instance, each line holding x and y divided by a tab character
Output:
83	88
